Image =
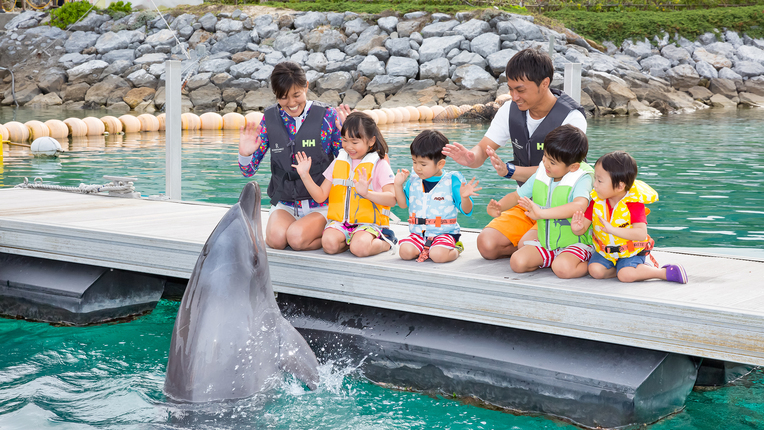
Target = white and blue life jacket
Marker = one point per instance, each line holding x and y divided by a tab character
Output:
434	213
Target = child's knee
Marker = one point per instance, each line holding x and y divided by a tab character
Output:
597	271
517	263
627	274
331	245
360	248
408	251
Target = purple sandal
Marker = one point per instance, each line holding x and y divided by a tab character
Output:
675	273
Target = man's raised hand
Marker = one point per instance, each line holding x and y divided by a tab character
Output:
459	153
498	165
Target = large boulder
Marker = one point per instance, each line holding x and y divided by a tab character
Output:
164	37
705	70
621	95
398	47
310	20
655	62
438	29
637	108
371	67
52	81
234	43
402	66
676	55
79	40
486	44
111	41
246	68
467	97
748	69
751	53
473	28
637	50
718	61
321	40
208	22
339	81
719	101
288	43
753	85
317	61
44	100
388	23
725	87
370	38
386	84
436	69
88	72
497	63
219	65
100	92
355	26
206	97
436	47
137	96
472	77
683	76
258	99
227	25
599	95
142	78
407	28
466	57
752	100
148	59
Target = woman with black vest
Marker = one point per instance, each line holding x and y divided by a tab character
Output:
295	124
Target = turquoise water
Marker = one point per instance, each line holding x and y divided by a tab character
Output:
707	167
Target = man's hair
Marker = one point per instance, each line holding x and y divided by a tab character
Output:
566	144
621	167
286	75
531	64
429	144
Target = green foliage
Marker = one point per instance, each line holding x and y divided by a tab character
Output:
635	5
68	14
619	26
119	9
379	6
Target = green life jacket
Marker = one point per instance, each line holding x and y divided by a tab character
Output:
556	233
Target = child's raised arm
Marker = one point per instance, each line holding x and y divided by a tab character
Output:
385	198
637	232
319	193
535	212
467	190
579	224
507	202
400	180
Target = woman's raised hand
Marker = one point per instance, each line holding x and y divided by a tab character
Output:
249	139
303	163
342	112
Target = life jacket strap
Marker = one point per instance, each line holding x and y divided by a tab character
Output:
425	254
629	246
344	182
437	221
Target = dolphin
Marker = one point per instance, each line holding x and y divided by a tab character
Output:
230	340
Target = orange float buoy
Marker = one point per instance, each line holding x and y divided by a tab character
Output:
148	122
77	127
95	126
111	124
4	134
190	121
405	113
17	132
253	117
413	113
37	129
382	116
373	115
130	124
233	121
211	121
162	118
426	113
57	129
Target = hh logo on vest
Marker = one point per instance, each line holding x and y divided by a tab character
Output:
307	143
539	146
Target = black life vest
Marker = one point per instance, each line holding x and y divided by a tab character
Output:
286	184
529	150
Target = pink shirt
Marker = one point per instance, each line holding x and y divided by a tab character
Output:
383	174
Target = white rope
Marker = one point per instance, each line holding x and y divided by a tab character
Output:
82	189
173	31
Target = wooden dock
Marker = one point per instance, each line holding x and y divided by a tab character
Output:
719	314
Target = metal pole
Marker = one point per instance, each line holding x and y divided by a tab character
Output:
172	130
572	81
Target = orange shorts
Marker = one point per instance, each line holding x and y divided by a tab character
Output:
513	224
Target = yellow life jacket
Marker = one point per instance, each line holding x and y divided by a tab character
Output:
345	205
640	192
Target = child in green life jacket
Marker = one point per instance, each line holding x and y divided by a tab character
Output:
619	216
560	187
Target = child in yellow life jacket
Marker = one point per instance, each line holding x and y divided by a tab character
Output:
559	188
359	186
619	216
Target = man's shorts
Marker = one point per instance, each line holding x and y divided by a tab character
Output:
620	263
580	250
350	229
444	240
302	211
513	224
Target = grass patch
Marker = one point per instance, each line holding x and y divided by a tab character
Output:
378	7
619	26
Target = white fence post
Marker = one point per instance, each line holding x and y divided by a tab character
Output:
572	81
172	130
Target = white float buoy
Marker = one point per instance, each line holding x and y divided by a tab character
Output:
46	147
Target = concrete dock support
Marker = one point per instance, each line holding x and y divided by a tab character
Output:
173	130
572	81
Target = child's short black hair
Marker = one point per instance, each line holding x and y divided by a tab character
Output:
429	144
567	144
621	167
531	64
286	75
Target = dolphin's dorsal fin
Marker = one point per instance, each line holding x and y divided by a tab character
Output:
295	354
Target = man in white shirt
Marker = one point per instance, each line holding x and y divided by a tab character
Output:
534	111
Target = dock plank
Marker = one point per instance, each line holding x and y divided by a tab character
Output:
719	314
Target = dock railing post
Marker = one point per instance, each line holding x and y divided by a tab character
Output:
572	81
172	130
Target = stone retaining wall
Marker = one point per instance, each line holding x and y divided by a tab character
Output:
362	60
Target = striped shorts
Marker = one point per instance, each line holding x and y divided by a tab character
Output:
444	240
580	250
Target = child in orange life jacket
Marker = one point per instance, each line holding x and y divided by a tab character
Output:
619	216
359	186
433	198
559	188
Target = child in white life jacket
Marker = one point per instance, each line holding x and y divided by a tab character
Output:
433	197
559	188
359	186
619	215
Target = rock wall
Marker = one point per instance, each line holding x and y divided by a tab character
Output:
364	61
